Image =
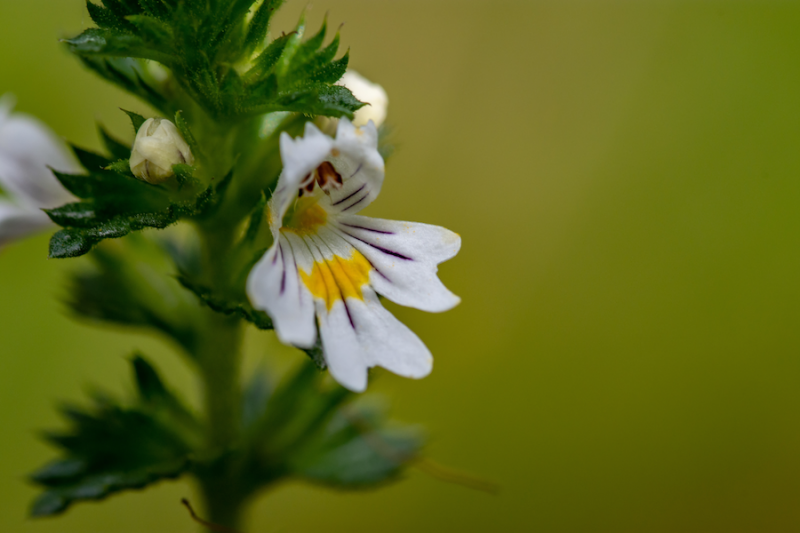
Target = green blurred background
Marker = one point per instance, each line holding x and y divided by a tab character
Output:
626	180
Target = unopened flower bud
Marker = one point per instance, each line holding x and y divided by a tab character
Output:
158	146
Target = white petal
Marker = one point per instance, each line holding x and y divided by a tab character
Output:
340	346
357	335
404	256
27	148
357	332
17	222
356	158
274	286
300	157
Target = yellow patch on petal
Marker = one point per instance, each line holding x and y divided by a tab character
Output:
305	218
338	278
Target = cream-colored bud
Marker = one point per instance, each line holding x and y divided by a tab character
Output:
368	92
157	147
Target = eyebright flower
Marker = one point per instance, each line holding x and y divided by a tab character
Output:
27	149
329	262
158	146
369	92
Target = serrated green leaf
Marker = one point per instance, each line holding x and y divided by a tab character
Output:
98	41
324	72
126	285
98	487
119	72
317	99
161	403
298	409
108	448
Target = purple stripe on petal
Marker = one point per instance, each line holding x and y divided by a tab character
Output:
350	196
384	250
381	274
357	170
351	206
367	229
283	276
349	316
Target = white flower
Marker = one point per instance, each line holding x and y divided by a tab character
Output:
158	146
371	93
27	149
327	261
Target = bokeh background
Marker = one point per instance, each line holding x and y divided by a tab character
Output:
626	179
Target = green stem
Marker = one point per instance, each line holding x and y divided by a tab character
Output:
219	360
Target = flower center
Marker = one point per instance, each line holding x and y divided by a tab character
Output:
306	216
338	278
325	175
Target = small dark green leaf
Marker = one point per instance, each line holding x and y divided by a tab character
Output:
90	160
115	290
306	50
117	149
76	214
98	41
106	449
357	449
266	61
259	25
150	386
255	397
153	31
136	119
186	133
123	166
155	8
106	18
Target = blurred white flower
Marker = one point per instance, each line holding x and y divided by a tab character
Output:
158	146
27	149
369	92
328	264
